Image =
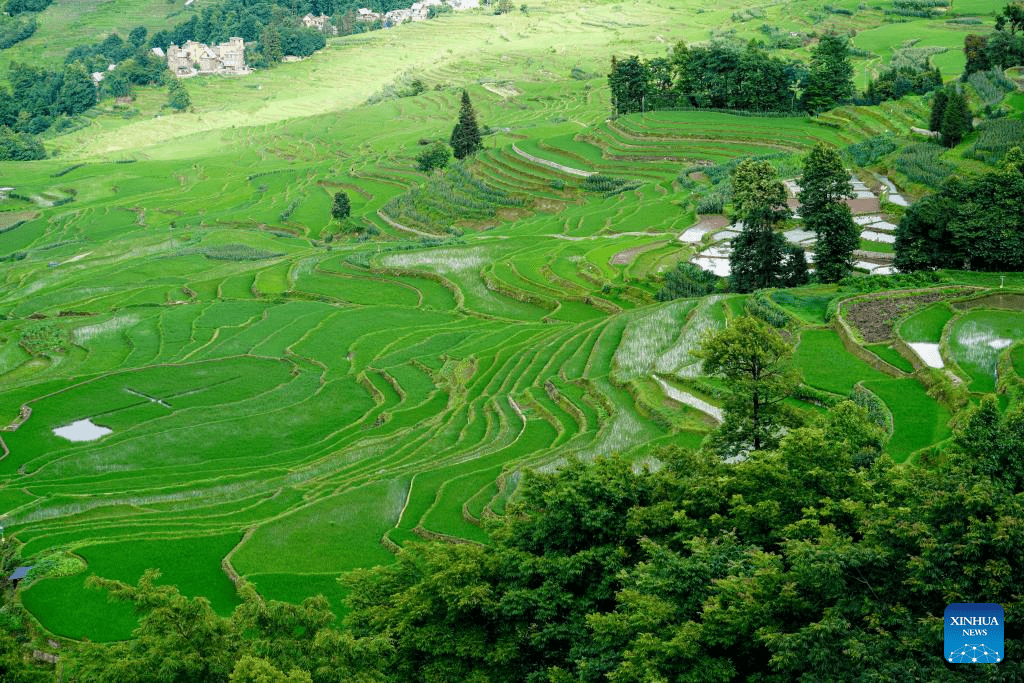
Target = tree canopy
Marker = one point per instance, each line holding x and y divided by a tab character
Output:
823	186
759	201
466	138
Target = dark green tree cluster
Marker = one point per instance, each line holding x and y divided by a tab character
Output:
951	116
725	76
14	7
759	201
829	80
901	81
795	563
13	30
1003	47
972	223
466	138
823	186
16	146
717	76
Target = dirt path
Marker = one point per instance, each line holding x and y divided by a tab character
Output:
552	164
398	226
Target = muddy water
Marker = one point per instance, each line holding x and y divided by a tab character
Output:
1009	302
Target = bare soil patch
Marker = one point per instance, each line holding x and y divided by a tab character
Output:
627	256
874	318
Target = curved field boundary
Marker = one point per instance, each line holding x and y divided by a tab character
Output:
405	228
553	164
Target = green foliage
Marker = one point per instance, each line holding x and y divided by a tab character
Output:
607	185
21	6
920	162
973	224
991	86
341	206
753	359
19	146
759	200
177	96
717	76
688	280
901	81
466	138
433	157
956	120
996	138
447	197
871	150
829	80
824	184
13	30
233	252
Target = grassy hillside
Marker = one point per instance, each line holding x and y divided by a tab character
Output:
291	402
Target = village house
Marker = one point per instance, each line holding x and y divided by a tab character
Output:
364	14
321	23
196	58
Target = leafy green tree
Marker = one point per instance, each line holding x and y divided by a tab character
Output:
956	119
823	186
177	96
137	36
466	138
181	638
116	84
938	110
253	670
829	80
78	92
753	358
436	155
976	52
629	82
14	664
341	207
15	146
759	201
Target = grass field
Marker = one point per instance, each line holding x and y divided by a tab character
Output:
288	396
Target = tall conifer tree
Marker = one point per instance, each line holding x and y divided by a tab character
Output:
466	138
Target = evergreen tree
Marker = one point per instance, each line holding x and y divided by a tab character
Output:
342	207
794	267
938	110
466	138
759	201
177	96
823	185
830	78
956	120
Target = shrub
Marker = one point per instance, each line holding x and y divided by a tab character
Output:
871	150
436	156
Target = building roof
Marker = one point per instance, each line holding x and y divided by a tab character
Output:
19	573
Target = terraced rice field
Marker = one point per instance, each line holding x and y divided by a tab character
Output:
286	402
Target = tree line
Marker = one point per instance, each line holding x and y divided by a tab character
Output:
726	76
1002	48
972	223
809	556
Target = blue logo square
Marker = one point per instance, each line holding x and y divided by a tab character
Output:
973	633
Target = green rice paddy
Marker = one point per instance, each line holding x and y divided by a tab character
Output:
293	402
